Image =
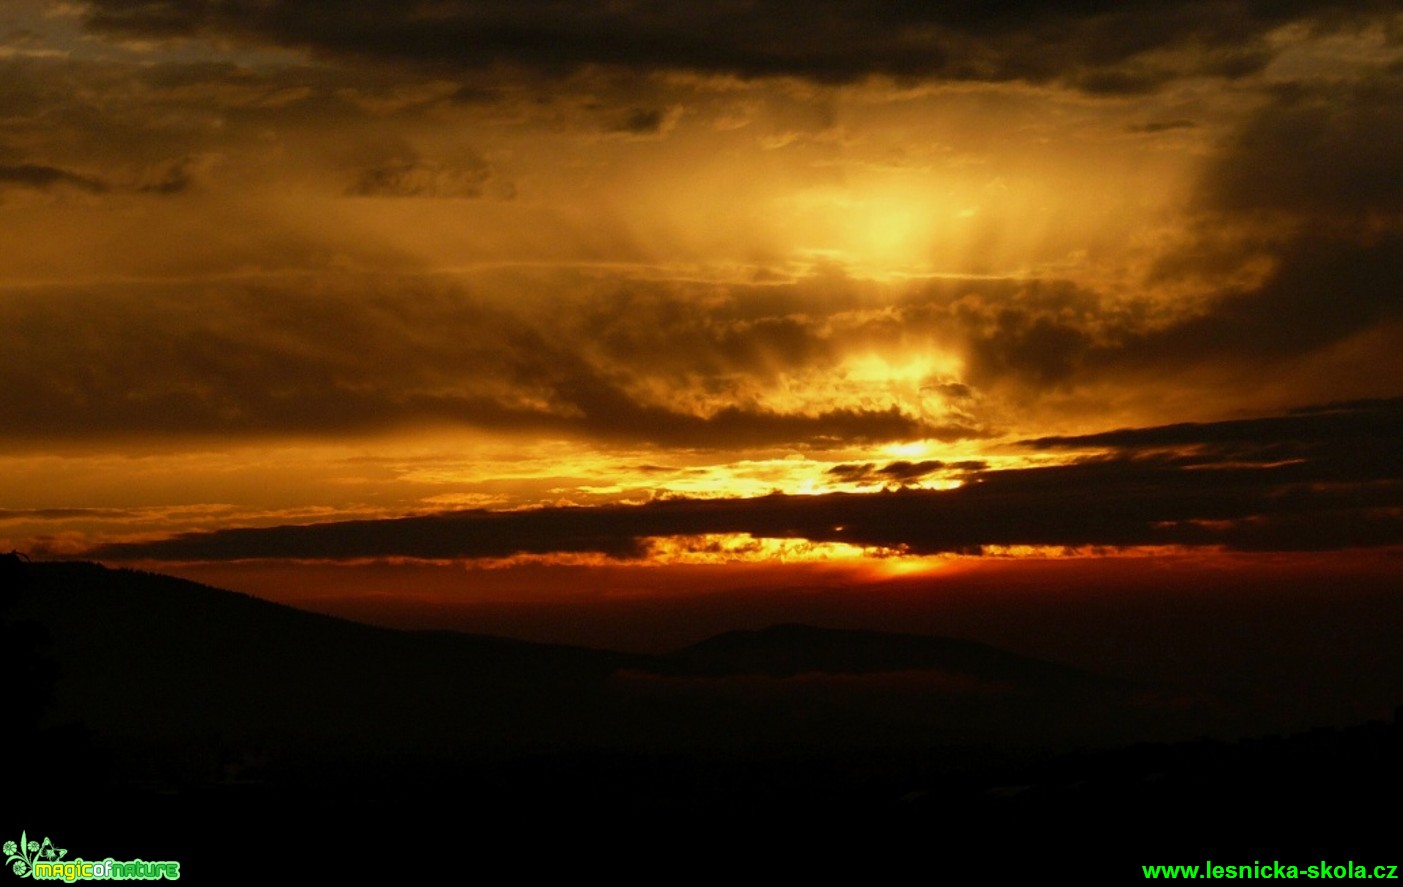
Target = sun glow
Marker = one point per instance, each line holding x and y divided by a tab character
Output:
881	224
900	370
909	381
908	565
721	548
912	449
890	233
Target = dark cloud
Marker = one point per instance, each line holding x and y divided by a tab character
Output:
1323	291
675	364
853	473
157	125
1155	126
904	472
1130	46
1311	184
1325	152
899	473
594	357
1348	424
33	175
165	178
742	331
415	177
1041	333
13	514
305	357
642	121
1302	485
173	176
954	390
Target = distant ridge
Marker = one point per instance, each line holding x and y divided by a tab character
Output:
792	649
147	659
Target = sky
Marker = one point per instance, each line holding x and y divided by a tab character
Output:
392	307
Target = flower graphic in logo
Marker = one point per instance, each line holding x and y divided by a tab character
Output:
21	856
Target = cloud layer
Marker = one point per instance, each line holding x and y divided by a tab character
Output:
1326	478
260	359
1100	47
881	243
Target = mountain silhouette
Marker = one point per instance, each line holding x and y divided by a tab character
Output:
155	660
148	657
792	649
209	720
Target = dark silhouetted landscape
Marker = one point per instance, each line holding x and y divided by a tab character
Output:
199	721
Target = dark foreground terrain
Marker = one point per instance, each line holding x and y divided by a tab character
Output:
155	718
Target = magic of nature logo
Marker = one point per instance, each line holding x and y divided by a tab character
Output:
43	861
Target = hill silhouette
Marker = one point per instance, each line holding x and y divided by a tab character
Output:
793	649
196	706
147	658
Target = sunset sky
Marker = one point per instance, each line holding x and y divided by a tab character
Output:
446	301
